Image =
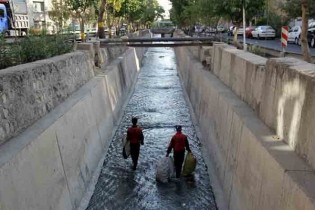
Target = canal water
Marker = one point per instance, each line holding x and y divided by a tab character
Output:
158	101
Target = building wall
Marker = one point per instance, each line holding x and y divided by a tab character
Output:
39	17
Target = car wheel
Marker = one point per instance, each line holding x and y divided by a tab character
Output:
313	42
298	41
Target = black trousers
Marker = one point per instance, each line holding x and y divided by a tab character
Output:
178	162
134	152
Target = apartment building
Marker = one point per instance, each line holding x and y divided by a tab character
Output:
39	18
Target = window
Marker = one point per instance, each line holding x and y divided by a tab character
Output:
1	13
38	6
39	24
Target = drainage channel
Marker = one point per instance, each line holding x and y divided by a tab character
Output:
158	101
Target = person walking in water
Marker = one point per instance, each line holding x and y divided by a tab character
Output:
178	143
135	136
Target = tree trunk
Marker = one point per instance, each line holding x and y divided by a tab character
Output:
82	34
100	20
235	40
304	43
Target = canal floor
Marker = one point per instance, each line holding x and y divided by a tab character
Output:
159	103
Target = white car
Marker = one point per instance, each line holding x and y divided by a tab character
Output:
295	34
239	31
264	32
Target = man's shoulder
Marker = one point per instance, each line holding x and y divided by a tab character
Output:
183	135
135	128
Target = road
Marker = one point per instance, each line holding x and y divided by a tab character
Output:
276	45
271	44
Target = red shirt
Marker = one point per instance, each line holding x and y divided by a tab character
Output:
178	142
135	135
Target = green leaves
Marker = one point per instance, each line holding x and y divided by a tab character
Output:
32	48
293	8
210	11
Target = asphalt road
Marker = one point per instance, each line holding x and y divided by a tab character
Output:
269	43
276	45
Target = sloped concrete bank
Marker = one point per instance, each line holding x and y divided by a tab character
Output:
257	169
50	164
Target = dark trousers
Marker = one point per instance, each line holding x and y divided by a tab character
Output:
134	152
178	162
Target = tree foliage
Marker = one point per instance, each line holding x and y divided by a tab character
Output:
210	11
132	12
177	11
292	8
60	13
83	10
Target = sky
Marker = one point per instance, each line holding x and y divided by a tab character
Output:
166	4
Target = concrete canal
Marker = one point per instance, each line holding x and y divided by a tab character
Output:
159	103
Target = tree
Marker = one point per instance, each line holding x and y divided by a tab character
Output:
292	8
233	10
60	13
100	20
111	7
177	11
298	8
82	10
150	11
304	43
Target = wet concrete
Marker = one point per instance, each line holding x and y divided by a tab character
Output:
159	103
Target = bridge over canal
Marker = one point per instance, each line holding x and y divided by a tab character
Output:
249	121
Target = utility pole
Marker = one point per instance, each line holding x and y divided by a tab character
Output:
244	28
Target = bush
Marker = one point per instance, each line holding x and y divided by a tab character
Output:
32	48
256	50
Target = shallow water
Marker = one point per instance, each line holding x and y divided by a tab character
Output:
159	103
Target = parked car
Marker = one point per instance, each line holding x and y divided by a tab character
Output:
264	32
221	29
239	32
295	35
248	31
311	24
91	32
311	36
209	30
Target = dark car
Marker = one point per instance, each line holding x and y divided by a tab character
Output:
311	36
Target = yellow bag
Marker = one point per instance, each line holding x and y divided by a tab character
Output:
189	164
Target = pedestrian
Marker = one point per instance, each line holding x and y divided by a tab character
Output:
178	143
135	136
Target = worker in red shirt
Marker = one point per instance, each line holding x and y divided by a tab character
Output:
178	143
135	136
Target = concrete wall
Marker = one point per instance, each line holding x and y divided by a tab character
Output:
51	163
256	169
30	91
280	90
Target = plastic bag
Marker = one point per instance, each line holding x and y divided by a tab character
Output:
126	147
165	169
189	164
